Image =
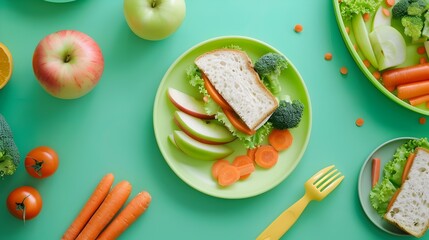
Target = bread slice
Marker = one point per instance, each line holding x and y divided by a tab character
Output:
232	75
410	210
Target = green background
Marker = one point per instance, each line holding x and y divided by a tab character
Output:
111	129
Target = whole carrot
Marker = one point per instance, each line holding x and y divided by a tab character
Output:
90	207
136	207
412	90
394	77
111	205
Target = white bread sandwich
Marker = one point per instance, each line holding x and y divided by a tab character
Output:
410	209
231	74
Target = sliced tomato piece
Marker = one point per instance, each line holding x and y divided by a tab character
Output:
237	122
214	94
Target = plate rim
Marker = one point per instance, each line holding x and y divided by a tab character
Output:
364	69
307	135
360	187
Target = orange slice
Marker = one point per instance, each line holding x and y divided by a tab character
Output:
6	65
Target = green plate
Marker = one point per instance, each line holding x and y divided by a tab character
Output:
385	153
412	58
196	172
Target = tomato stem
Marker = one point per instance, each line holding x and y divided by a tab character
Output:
21	207
37	166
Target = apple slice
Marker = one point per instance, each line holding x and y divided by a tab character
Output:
380	19
199	150
188	104
205	131
361	35
171	139
389	46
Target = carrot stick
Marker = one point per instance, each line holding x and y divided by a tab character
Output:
392	200
407	167
237	122
136	207
375	171
217	166
245	165
419	100
412	90
90	207
266	156
228	175
280	139
111	205
214	94
394	77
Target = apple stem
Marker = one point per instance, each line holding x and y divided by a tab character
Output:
153	3
67	58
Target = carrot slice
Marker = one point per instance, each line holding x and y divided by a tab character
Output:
412	90
245	165
366	17
251	153
407	167
366	63
298	28
238	123
328	56
110	206
421	50
217	165
422	120
377	75
375	171
386	12
359	122
214	93
390	3
266	156
228	175
95	200
126	217
344	70
280	139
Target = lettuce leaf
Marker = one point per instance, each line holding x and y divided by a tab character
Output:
380	196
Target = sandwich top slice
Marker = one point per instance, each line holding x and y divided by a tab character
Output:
232	75
410	210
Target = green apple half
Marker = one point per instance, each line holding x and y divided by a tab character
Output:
389	46
361	35
204	131
380	19
199	150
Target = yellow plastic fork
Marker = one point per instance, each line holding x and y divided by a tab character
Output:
316	188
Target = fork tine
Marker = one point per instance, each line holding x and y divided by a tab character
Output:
330	180
325	177
333	185
320	173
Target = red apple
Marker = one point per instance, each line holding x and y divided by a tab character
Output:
68	64
188	104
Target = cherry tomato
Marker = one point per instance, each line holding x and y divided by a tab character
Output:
41	162
24	203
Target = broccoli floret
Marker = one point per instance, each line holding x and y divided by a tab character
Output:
349	8
417	8
288	114
400	9
413	26
269	68
9	154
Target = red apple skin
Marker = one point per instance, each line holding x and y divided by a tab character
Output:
68	64
187	110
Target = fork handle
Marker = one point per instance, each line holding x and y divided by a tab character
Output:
285	220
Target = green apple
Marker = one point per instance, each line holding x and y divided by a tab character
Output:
205	131
171	139
199	150
389	46
361	35
380	19
154	19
